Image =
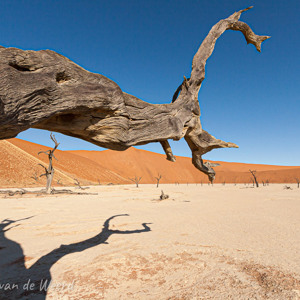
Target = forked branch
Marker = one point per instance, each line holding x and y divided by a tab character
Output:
158	178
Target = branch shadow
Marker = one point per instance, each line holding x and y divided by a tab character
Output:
14	276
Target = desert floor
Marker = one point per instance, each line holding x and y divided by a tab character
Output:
204	242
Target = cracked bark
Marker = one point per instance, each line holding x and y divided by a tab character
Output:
45	90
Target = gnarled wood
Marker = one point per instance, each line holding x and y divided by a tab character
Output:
43	89
49	172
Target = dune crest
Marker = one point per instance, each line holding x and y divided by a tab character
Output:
20	161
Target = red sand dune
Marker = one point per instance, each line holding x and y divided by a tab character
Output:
20	159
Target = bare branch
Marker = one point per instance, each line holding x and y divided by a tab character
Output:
167	148
46	170
55	142
45	152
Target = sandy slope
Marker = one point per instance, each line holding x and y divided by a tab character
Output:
71	165
148	164
19	161
221	242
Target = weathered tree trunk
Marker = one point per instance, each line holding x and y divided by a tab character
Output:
49	182
43	89
158	178
254	176
49	172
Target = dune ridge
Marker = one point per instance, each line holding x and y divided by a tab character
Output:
20	161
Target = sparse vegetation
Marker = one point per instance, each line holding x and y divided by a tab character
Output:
136	180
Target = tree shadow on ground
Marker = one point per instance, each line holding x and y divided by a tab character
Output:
14	275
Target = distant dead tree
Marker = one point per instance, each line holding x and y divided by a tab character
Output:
158	178
136	180
224	182
298	181
77	183
49	172
263	183
267	182
254	176
35	176
59	182
99	182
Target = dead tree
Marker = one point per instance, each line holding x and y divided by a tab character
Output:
254	177
136	180
49	172
45	90
77	183
59	182
298	181
35	176
158	178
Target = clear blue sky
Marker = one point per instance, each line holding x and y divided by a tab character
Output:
146	47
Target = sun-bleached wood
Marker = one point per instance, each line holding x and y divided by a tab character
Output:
45	90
